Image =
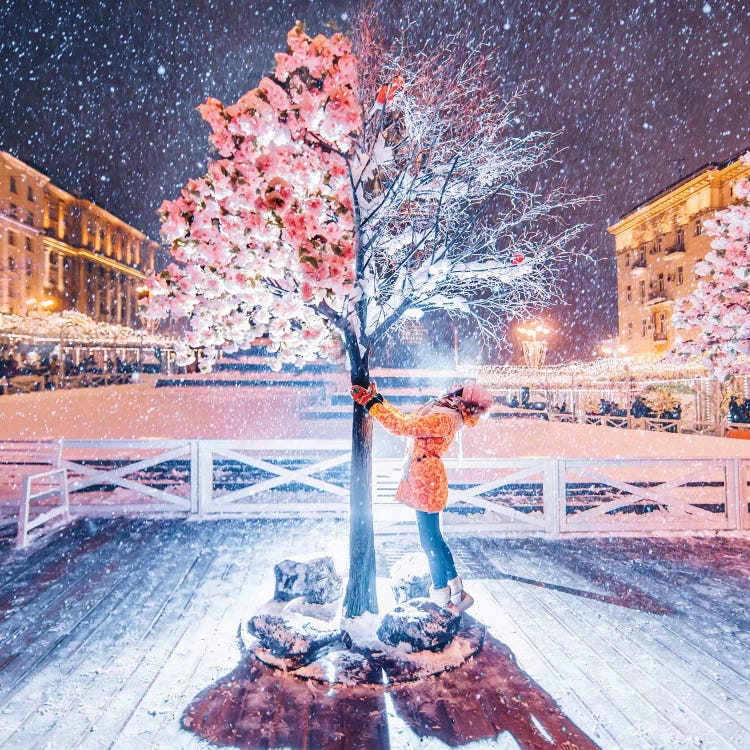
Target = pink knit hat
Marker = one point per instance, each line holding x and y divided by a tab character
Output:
473	393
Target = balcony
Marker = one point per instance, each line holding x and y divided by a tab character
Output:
638	265
660	335
675	249
16	215
657	297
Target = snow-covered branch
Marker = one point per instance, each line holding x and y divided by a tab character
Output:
352	192
448	220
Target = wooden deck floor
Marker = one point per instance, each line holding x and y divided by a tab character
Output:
110	629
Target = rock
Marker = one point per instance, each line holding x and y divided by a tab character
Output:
323	583
345	667
316	581
290	580
418	665
296	639
410	578
326	612
421	624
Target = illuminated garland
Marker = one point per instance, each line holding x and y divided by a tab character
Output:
600	372
75	327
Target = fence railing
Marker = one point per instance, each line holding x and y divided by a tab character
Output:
628	421
310	478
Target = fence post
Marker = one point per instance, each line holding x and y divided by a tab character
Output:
562	495
201	476
194	478
733	492
205	476
554	495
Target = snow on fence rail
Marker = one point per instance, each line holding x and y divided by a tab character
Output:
549	496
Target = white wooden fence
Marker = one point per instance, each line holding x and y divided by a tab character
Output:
309	478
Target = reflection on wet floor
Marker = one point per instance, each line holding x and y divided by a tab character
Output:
256	706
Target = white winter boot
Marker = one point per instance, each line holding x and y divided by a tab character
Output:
441	597
460	599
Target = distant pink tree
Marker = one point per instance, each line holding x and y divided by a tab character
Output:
716	316
352	195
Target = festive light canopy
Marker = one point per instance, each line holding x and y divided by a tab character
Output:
600	372
74	327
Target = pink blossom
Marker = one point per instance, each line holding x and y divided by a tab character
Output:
212	111
277	206
717	313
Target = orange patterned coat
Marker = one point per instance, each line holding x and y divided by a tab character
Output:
425	484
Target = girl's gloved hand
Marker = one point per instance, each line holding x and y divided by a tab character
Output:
366	396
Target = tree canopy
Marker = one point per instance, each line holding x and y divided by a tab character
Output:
354	193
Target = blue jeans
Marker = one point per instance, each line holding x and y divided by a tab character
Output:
439	557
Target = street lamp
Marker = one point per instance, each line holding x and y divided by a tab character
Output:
534	346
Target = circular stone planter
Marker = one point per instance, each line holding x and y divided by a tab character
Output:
356	666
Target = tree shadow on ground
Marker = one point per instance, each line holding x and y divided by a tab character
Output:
257	706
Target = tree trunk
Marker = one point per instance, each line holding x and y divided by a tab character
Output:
361	594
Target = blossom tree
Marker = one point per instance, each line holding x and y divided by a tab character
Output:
351	194
716	316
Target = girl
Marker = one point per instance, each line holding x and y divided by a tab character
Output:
424	486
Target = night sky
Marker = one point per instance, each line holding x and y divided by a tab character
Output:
101	96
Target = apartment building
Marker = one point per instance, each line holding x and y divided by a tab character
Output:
60	252
657	244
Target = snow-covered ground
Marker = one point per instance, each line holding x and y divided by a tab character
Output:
149	607
143	411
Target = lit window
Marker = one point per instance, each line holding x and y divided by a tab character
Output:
53	266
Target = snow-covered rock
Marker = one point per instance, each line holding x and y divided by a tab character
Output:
402	666
290	580
316	581
344	667
420	624
294	639
410	578
323	583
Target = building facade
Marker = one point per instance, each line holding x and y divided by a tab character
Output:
59	252
657	244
